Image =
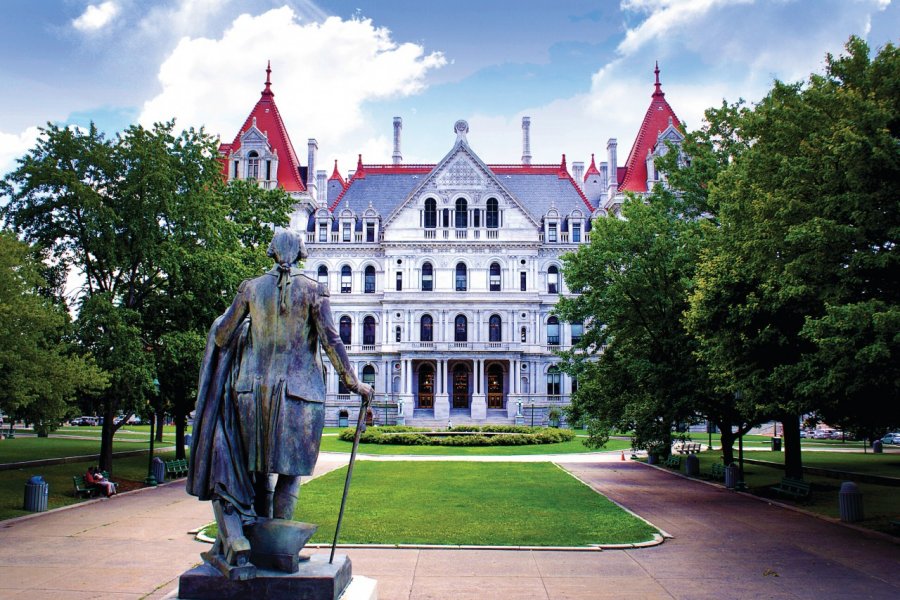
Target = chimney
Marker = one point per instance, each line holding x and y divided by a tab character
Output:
398	127
313	147
526	140
613	169
322	184
578	173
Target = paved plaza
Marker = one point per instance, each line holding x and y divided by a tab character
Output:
724	545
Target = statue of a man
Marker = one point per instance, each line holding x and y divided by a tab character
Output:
260	407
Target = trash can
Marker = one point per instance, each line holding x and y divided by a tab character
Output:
158	468
776	444
877	447
187	440
651	459
850	504
732	474
36	492
692	465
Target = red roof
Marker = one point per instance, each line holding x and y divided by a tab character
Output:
337	175
655	122
592	170
268	120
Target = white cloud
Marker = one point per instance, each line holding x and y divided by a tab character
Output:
96	16
15	145
322	74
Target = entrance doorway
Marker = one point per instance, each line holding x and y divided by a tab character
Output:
460	387
495	386
426	386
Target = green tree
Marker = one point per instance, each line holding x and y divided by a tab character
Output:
803	267
40	371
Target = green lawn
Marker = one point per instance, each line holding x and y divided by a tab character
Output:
505	504
34	448
856	462
333	444
12	483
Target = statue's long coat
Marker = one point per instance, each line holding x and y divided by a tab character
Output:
260	405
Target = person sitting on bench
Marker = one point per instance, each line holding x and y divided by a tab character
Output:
95	477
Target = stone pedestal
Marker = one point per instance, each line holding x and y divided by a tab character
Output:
315	579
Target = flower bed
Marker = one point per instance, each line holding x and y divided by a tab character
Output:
487	435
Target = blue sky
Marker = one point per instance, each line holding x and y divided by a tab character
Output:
342	69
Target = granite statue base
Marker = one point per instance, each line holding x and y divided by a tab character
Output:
315	579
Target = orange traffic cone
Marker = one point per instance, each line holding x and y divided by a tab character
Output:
623	455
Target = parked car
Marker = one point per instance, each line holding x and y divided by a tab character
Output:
822	434
84	421
891	438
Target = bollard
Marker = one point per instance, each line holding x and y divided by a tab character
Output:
732	474
692	465
850	503
36	492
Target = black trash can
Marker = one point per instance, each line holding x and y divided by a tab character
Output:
732	474
692	465
850	504
36	492
159	469
877	447
776	444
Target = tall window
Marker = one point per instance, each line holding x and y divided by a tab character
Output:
461	329
345	328
427	277
399	281
346	279
268	170
345	229
369	331
524	334
461	279
553	280
462	213
253	165
322	275
551	233
576	233
553	331
577	331
398	334
323	232
553	381
492	216
495	332
430	213
523	281
370	231
368	375
370	280
426	328
495	277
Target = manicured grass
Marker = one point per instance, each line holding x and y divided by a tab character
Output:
505	504
34	448
856	462
127	471
333	444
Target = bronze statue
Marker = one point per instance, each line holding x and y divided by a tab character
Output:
260	409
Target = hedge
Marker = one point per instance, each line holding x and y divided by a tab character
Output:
411	436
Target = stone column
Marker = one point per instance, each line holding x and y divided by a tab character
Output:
442	399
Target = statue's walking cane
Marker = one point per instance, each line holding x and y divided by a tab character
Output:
359	429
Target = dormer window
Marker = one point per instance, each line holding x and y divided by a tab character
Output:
551	233
370	231
576	233
492	215
345	232
323	232
253	165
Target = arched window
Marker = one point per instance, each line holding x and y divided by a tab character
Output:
369	331
461	279
322	275
368	375
346	329
494	281
553	280
495	332
492	216
553	331
430	213
370	280
253	165
462	213
577	328
427	277
346	279
426	328
553	381
461	329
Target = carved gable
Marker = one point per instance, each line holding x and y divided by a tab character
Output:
460	173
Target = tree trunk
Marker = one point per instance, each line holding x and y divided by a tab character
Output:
727	439
106	438
180	426
793	462
160	421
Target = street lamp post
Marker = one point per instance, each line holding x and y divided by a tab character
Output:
151	478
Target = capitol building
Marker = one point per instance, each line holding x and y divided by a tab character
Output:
443	277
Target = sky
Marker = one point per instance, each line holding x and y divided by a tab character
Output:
341	69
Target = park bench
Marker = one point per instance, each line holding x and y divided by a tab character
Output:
176	468
673	462
688	448
82	488
717	472
793	488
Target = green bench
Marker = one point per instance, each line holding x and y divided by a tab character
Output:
83	489
717	472
673	462
176	468
793	488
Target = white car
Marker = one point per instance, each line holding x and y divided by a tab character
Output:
891	438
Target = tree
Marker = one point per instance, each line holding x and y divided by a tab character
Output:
40	371
804	262
149	223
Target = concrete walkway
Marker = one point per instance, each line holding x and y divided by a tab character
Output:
725	546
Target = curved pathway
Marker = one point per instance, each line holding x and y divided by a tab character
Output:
725	545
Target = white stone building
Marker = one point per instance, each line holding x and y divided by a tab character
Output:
443	277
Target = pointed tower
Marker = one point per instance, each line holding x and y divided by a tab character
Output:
262	149
593	183
660	124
